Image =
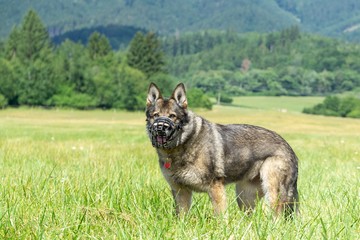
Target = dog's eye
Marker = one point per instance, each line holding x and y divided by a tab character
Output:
172	116
156	115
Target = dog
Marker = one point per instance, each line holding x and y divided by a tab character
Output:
197	155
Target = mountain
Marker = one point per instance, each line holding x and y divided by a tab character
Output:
118	36
327	17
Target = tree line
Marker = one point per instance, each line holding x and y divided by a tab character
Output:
287	62
348	106
36	72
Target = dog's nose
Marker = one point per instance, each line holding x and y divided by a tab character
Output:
162	131
163	124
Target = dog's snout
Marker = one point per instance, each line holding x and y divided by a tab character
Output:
163	124
162	132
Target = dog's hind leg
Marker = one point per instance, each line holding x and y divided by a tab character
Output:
279	177
247	194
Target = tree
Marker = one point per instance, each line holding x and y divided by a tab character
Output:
74	65
98	45
197	99
29	48
165	82
37	84
75	87
211	81
8	84
12	44
132	90
34	38
335	106
106	81
145	54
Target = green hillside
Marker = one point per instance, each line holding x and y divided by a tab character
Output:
329	17
162	16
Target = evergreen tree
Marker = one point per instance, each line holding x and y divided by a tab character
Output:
8	86
34	38
132	89
98	45
30	46
75	65
145	54
74	80
12	44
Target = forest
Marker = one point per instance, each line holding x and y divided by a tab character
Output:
332	18
287	62
37	71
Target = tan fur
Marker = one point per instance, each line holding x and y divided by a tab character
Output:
218	196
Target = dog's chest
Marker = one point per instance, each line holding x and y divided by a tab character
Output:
187	175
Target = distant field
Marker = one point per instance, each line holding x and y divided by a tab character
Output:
94	175
283	103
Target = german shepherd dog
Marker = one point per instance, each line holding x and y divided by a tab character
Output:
197	155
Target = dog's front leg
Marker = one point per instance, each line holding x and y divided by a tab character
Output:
182	197
218	196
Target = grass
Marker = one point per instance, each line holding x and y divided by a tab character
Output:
283	103
94	175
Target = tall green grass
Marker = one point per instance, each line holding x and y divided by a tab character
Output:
94	175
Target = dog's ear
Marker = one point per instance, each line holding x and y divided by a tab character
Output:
179	95
153	94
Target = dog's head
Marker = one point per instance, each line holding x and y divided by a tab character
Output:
165	117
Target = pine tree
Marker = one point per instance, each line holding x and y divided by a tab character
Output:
137	51
12	44
146	55
30	45
98	45
34	38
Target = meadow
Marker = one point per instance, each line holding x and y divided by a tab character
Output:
67	174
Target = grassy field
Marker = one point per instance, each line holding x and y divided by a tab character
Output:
282	103
94	175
